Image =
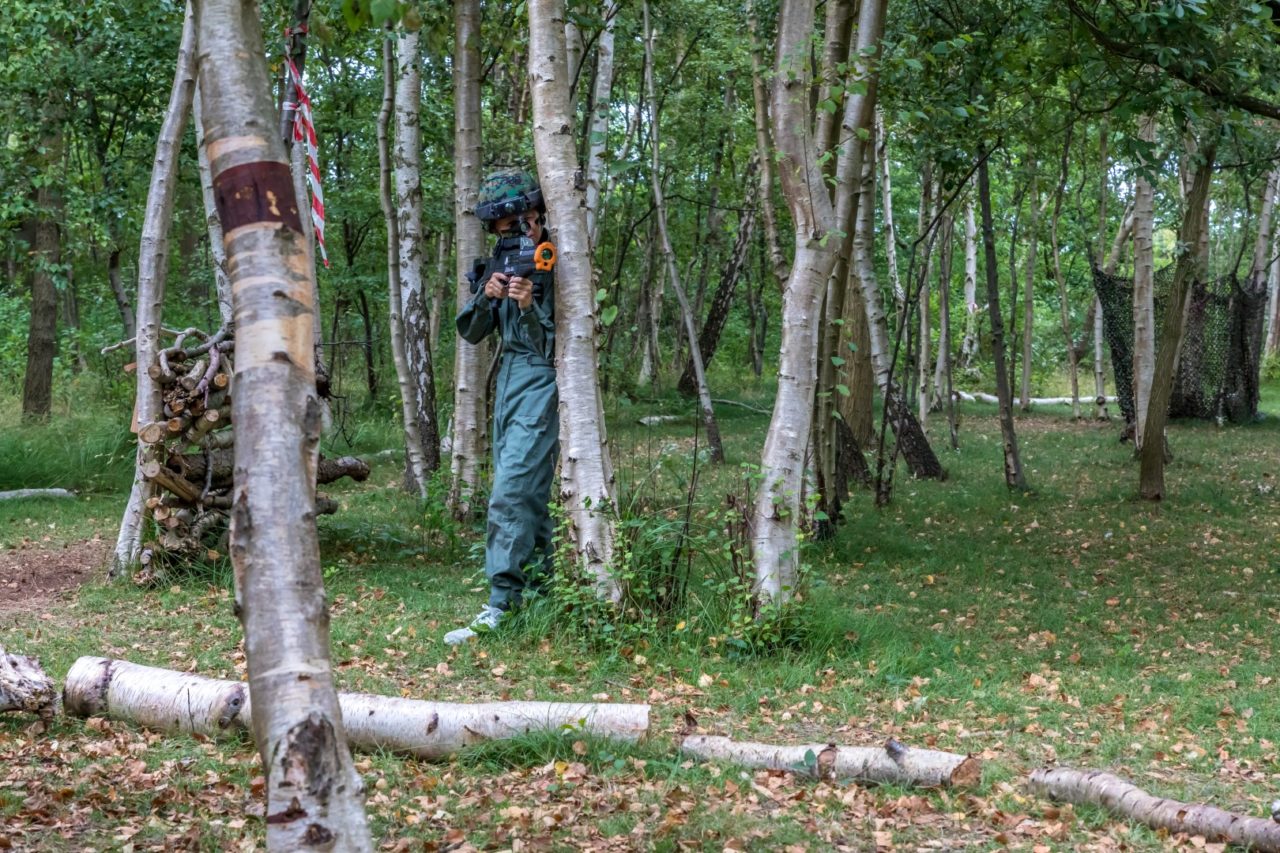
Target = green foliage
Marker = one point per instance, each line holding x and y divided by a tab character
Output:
89	450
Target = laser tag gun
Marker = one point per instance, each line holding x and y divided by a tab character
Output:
515	256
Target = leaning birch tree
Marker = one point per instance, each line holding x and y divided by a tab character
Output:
153	265
586	471
314	795
469	360
777	512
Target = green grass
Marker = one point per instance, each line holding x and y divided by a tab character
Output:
1072	624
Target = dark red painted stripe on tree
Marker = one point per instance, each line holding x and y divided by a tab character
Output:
252	193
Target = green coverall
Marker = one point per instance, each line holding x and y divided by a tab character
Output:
526	436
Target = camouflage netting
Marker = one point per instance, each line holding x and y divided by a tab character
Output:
1219	365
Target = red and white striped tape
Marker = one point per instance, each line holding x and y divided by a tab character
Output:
304	131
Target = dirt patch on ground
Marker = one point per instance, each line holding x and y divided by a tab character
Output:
33	574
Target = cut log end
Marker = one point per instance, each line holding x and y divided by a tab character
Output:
24	686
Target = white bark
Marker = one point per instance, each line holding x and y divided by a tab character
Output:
153	263
886	204
983	397
1093	787
27	494
1028	293
169	701
415	463
222	284
24	686
1144	326
969	346
598	128
764	149
407	164
924	329
1273	306
891	764
469	431
778	510
314	795
1259	270
586	471
864	263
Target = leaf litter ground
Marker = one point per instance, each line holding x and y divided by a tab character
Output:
1073	625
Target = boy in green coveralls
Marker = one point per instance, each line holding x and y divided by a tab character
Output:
526	421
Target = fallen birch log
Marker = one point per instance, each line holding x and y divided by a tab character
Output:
982	397
169	701
25	687
1129	801
23	494
892	763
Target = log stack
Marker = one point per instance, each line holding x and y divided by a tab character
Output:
191	461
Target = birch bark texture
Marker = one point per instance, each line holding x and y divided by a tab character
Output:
778	510
586	470
469	430
969	345
153	263
406	158
415	464
314	796
598	127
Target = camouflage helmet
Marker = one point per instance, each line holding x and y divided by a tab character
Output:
506	193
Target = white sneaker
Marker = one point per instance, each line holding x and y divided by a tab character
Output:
487	620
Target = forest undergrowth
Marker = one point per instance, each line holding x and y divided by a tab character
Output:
1071	625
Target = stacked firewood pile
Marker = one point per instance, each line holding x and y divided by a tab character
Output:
191	456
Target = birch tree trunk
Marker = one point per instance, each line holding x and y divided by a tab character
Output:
1151	477
1064	311
598	128
837	34
1144	327
918	454
1273	306
924	330
764	150
586	471
443	242
942	364
407	160
153	262
1013	476
832	437
222	284
314	795
886	211
660	207
1028	296
470	361
415	463
778	509
969	346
